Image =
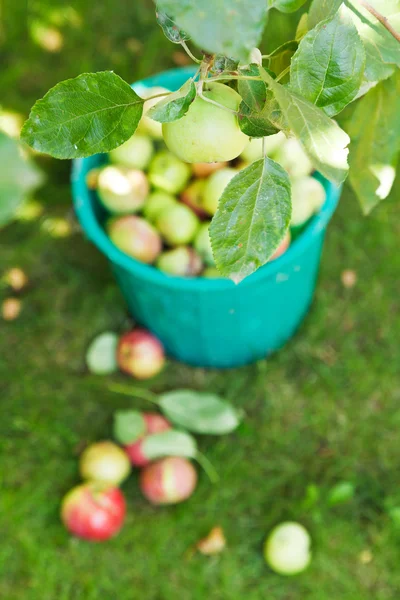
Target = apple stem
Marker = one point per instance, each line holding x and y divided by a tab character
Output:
188	52
130	391
157	96
207	466
229	77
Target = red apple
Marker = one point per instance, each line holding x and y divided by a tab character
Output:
154	423
192	196
283	246
181	262
140	354
93	511
135	237
168	481
104	462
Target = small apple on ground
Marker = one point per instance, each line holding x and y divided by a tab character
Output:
11	308
135	237
136	153
178	225
208	133
154	423
156	203
16	279
308	196
140	354
101	356
122	190
202	244
104	462
168	481
148	126
93	511
293	158
204	169
283	246
192	196
181	262
287	549
214	187
168	173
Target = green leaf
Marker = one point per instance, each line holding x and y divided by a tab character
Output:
256	123
341	493
169	443
280	59
175	105
291	45
323	140
253	92
252	218
200	412
95	112
223	63
374	128
170	28
381	48
220	26
18	177
328	66
321	10
128	426
286	6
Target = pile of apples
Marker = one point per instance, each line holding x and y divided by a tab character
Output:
159	208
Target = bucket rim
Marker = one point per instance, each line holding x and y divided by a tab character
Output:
96	234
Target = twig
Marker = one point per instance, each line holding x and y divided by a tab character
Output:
383	20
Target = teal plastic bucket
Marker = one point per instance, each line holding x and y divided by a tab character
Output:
212	322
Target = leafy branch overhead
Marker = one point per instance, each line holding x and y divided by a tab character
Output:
343	52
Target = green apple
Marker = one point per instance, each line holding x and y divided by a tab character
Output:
208	133
122	190
135	237
178	225
283	246
136	153
214	187
287	549
293	158
254	149
212	273
182	262
149	126
168	173
155	204
308	196
192	196
202	244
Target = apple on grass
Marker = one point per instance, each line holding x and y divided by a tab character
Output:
122	190
214	187
155	204
135	237
104	462
93	511
101	356
208	133
202	244
308	196
177	224
136	153
287	549
168	481
192	196
168	173
181	262
154	423
140	354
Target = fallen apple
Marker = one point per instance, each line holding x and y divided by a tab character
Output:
181	262
214	187
202	244
122	190
287	549
135	237
93	511
140	354
101	356
204	169
154	423
293	158
168	481
178	225
308	196
136	153
168	173
104	462
156	203
208	133
11	308
192	196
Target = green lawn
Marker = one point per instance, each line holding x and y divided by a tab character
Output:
326	408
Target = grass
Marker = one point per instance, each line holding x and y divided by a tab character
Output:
324	409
